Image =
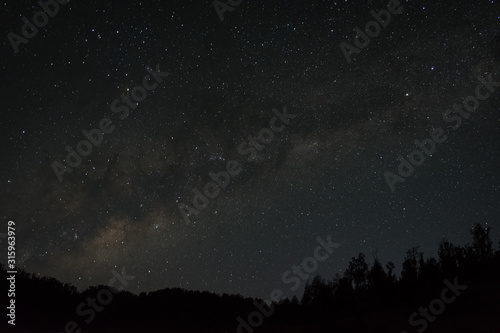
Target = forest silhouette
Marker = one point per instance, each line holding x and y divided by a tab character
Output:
366	298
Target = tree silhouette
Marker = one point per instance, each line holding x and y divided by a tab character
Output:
357	272
366	299
482	246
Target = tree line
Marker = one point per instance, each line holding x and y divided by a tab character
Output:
368	297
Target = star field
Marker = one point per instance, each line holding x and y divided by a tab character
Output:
323	174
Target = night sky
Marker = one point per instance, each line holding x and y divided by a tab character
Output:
216	86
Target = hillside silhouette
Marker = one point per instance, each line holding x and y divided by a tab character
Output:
366	298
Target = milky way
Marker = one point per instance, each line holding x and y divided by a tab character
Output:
322	174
